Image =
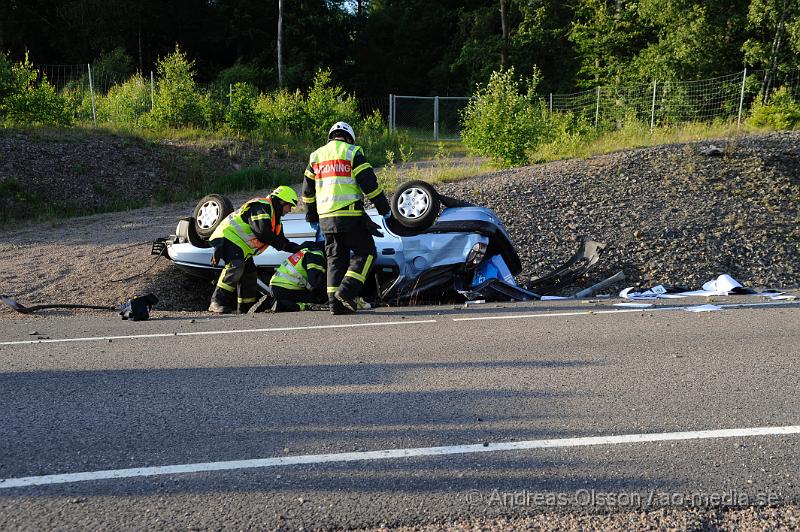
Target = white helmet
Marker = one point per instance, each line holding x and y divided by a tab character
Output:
342	127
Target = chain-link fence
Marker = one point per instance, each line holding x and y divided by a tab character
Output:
660	103
657	103
671	102
437	117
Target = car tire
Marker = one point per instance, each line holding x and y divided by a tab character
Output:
209	212
415	205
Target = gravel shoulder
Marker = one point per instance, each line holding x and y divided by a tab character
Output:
669	214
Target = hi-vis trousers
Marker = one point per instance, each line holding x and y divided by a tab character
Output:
347	274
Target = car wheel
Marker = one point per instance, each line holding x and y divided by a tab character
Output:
209	212
415	205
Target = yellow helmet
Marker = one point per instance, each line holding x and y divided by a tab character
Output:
286	194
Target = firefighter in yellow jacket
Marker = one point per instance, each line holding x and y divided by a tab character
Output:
299	283
246	232
337	179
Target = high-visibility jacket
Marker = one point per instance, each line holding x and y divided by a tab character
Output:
337	178
253	227
304	270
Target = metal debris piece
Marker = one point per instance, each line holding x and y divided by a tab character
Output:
581	262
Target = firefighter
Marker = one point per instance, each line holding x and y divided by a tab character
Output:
336	180
246	232
299	282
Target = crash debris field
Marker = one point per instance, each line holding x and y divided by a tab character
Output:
674	214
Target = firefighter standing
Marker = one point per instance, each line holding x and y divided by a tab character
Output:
336	180
246	232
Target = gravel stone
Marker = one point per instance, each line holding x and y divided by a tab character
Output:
668	214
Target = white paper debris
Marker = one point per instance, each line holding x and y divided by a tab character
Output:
554	298
782	297
703	308
723	283
704	293
633	305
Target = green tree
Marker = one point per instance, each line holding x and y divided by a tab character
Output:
606	34
27	98
774	44
503	122
178	102
691	39
241	113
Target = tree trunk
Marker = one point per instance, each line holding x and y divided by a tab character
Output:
504	26
769	77
280	43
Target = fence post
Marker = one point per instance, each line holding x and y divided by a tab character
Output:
390	113
435	118
152	91
653	107
741	99
597	109
91	91
551	104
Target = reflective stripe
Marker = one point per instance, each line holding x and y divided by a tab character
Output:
343	197
309	200
246	300
361	168
367	265
316	267
377	192
340	180
341	213
225	286
355	275
332	289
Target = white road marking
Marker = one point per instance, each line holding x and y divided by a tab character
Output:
616	311
208	333
393	453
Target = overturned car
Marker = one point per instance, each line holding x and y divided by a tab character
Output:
423	254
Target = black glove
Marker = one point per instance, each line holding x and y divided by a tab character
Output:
372	228
292	247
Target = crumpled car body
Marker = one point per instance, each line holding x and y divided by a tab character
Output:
467	250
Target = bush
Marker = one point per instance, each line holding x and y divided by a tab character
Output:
281	112
241	114
23	101
178	102
238	73
125	103
780	112
327	104
503	124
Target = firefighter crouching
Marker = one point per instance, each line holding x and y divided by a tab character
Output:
246	232
335	182
299	282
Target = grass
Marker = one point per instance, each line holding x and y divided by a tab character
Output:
192	173
632	137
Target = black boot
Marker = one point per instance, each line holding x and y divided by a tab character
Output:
222	302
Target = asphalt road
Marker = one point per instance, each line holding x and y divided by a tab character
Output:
85	395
